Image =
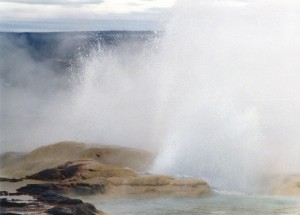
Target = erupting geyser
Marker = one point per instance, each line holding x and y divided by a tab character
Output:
216	95
231	91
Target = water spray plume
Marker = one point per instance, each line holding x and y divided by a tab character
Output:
231	91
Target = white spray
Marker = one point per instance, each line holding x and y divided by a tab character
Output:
232	100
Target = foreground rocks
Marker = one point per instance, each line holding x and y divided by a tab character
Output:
110	172
45	200
86	177
67	170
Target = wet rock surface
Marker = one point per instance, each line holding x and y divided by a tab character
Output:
18	206
62	188
54	198
46	200
3	213
56	174
5	203
38	189
59	210
10	179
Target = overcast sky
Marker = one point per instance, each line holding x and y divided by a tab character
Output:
70	15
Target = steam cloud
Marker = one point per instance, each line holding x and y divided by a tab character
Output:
234	82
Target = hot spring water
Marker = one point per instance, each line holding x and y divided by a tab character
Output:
220	204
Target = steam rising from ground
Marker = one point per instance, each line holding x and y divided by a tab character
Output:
216	97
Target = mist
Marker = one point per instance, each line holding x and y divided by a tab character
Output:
214	96
98	95
233	81
30	85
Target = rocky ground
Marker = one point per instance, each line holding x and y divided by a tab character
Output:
45	200
20	165
70	169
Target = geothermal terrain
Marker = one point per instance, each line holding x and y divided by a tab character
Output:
52	179
77	169
202	118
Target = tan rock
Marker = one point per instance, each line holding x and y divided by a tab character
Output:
119	182
155	185
138	160
53	155
148	180
188	182
288	186
141	180
122	189
116	181
112	170
94	169
81	170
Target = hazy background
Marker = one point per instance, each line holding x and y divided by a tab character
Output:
75	86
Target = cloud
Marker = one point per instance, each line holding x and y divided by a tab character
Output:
35	15
55	2
90	25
